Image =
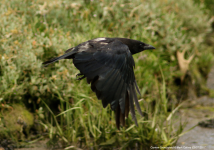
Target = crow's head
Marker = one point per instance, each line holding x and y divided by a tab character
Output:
136	46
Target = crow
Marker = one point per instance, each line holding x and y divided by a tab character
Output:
107	64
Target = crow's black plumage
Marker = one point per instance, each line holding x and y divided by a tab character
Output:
107	64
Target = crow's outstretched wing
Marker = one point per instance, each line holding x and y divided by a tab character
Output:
109	69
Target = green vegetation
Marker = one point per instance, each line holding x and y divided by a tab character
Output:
17	122
209	4
33	31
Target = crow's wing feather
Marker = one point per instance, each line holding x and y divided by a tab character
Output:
109	69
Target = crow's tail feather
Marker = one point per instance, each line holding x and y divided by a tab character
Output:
58	58
120	116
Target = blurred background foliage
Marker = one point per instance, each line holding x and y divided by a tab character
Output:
66	110
208	4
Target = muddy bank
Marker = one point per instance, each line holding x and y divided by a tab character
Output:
199	113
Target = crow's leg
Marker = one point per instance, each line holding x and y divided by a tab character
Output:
80	78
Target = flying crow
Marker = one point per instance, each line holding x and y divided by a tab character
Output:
107	64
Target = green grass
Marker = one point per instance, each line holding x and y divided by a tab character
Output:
33	31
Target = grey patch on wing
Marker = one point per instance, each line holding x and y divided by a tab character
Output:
103	43
83	47
99	39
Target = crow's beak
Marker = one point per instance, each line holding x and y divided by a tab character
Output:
149	47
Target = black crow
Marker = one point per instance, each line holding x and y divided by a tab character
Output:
107	64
